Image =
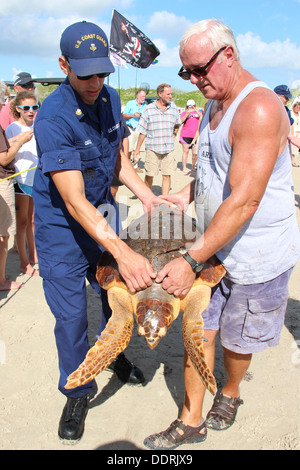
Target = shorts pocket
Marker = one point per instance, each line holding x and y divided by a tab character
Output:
265	317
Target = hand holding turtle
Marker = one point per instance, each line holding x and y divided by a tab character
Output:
177	277
136	270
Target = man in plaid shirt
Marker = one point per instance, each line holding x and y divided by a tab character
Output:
159	125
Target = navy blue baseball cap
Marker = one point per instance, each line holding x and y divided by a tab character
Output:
86	47
283	90
23	78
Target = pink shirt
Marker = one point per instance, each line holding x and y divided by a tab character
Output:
5	116
190	125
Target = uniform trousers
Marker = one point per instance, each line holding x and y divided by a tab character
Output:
66	294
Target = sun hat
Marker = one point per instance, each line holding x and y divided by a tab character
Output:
296	101
190	103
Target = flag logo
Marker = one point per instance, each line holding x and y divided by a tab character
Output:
131	44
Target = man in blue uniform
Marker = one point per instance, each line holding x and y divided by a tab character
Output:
78	134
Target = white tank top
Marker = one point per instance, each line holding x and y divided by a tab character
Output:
269	242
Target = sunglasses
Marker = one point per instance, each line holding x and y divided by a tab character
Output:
88	77
28	85
26	108
99	75
200	71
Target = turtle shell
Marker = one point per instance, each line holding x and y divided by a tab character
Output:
161	235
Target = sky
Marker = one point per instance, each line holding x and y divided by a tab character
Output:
266	31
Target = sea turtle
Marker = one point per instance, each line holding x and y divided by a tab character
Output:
160	236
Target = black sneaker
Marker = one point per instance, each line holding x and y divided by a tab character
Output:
126	371
71	424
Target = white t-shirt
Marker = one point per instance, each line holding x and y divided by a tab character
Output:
26	158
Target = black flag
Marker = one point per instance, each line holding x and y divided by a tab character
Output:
129	43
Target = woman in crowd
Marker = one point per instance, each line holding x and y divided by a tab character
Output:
295	113
8	150
23	108
190	119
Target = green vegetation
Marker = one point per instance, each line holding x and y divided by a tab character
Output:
44	91
180	97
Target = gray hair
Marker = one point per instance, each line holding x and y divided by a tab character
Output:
217	33
3	92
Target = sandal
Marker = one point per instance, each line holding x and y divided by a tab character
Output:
223	412
177	433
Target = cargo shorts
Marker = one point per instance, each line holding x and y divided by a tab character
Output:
159	161
249	318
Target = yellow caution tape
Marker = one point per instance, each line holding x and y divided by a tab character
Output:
16	174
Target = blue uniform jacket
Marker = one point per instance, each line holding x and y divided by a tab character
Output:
71	137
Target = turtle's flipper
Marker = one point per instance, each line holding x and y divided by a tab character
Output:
113	340
193	305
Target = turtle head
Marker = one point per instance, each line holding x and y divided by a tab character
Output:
154	319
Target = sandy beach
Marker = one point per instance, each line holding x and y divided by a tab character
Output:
121	416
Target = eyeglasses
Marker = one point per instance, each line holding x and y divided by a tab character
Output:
88	77
26	108
99	75
200	71
28	85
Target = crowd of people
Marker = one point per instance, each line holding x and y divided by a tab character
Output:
66	168
17	167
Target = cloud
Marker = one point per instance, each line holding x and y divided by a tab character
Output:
257	53
37	37
59	8
295	84
169	56
168	24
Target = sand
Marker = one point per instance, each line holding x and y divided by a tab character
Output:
121	416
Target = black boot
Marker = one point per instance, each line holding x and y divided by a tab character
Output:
126	371
71	424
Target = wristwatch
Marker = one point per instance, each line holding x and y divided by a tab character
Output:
195	265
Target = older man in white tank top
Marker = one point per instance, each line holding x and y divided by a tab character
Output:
245	206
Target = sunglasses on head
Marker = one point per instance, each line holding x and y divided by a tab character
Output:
88	77
200	71
26	108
